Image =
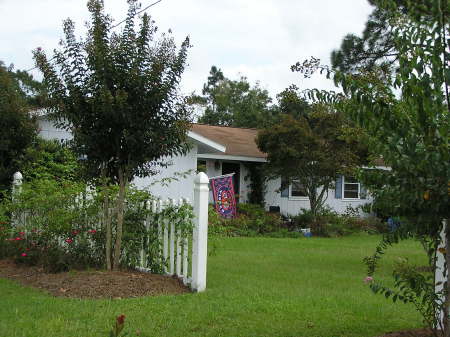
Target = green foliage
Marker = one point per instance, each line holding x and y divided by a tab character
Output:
252	220
53	224
49	159
329	223
406	115
233	103
257	177
59	225
309	148
31	90
117	92
18	127
411	284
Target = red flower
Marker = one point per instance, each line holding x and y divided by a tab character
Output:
24	254
69	240
18	239
21	233
120	319
120	323
92	231
75	232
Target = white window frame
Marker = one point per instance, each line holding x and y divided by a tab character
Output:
343	190
291	197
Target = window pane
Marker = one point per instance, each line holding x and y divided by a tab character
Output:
351	190
297	190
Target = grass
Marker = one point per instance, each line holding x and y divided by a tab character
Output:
256	287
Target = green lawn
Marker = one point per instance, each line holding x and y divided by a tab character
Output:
256	287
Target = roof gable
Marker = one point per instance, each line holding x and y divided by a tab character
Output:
237	141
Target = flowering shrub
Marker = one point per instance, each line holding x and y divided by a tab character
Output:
53	224
60	226
251	220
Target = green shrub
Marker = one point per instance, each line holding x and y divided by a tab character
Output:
251	220
58	225
329	223
53	224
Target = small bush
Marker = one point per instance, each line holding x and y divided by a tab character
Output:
329	223
251	220
58	225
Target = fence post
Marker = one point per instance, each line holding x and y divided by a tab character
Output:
17	183
441	274
200	235
16	189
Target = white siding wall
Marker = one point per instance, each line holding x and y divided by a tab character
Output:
292	206
176	189
48	131
183	188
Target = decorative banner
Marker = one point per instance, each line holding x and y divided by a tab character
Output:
223	194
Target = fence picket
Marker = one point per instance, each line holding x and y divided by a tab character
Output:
185	267
165	225
178	246
172	244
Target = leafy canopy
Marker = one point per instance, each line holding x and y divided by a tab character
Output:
18	127
233	102
308	146
117	92
118	95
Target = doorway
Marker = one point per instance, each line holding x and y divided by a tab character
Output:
227	168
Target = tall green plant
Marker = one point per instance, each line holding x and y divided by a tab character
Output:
18	127
117	93
407	117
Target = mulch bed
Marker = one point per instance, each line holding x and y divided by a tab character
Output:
93	284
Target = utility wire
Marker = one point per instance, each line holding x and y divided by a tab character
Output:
142	10
118	24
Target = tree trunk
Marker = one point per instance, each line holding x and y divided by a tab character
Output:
120	212
446	318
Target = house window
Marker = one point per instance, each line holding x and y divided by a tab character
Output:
297	190
351	188
201	166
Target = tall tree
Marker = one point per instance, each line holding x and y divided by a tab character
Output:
309	149
407	116
117	94
233	102
376	46
18	127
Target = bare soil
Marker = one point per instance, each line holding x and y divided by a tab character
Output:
93	284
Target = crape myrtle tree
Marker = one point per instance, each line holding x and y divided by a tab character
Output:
18	126
308	144
407	117
117	92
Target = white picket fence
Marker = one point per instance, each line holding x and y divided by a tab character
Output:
182	254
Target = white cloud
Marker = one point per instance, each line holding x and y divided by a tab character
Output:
260	39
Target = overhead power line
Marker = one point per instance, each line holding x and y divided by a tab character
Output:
118	24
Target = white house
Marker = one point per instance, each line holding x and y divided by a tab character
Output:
224	150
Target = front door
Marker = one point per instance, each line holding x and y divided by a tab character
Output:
235	168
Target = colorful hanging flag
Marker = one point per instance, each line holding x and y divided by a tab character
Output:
223	194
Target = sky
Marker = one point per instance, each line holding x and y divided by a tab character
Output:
259	39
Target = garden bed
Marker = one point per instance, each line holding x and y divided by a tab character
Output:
93	284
